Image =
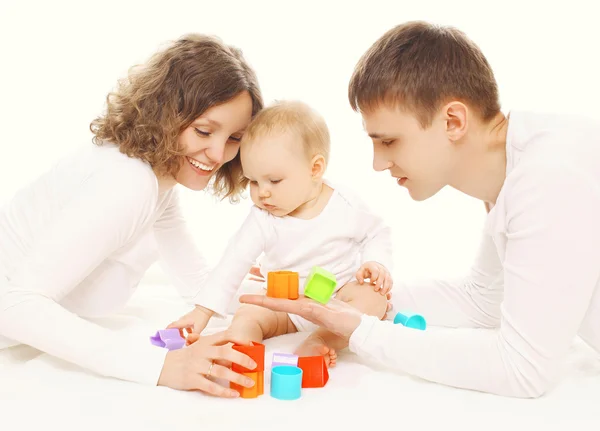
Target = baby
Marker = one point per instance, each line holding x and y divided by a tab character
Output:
299	220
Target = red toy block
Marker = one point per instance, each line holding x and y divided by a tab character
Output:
253	392
283	284
314	371
256	352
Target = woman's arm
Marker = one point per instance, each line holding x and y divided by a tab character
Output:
105	214
551	269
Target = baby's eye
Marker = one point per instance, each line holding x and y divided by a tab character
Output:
275	181
387	143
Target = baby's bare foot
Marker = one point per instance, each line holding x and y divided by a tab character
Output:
315	346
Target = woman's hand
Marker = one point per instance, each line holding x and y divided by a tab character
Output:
336	316
192	367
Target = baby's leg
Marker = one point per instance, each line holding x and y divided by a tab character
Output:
258	323
323	342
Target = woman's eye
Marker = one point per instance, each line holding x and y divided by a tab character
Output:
201	132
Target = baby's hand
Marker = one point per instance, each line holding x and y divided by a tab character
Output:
378	275
194	322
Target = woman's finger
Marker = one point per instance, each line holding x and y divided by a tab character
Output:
221	372
227	353
223	362
200	383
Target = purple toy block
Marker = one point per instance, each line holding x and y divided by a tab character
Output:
168	338
284	359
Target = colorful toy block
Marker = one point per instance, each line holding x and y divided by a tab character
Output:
257	352
284	359
286	382
282	284
314	371
414	321
171	339
320	285
253	392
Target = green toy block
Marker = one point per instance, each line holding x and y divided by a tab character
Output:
320	284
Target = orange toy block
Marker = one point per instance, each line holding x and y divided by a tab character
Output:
253	392
256	352
283	284
314	371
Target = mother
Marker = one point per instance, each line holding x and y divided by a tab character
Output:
76	242
429	101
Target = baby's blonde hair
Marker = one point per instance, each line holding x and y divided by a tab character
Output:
295	117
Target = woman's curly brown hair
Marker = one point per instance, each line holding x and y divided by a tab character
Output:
160	99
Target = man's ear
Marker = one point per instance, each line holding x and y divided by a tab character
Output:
456	116
318	166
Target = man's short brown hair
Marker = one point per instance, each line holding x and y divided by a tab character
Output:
420	66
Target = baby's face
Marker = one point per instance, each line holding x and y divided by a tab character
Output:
279	171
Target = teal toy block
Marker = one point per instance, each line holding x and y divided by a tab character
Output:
415	321
320	285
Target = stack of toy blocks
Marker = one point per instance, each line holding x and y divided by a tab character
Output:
257	352
282	284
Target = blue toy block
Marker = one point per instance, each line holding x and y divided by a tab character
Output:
286	382
414	321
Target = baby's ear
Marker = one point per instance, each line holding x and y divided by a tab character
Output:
318	166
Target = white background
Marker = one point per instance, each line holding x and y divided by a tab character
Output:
59	60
